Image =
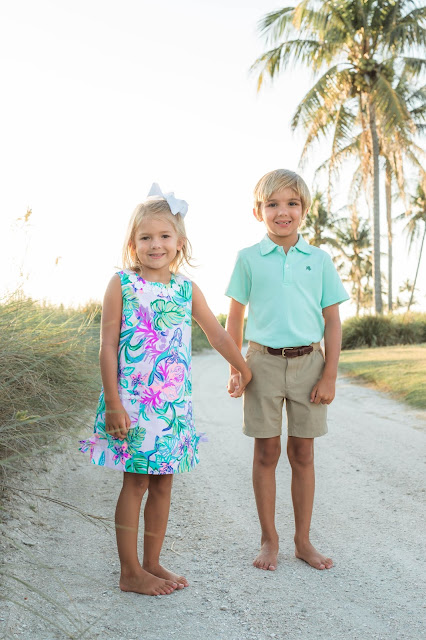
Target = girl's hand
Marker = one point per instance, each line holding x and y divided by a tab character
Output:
238	382
117	421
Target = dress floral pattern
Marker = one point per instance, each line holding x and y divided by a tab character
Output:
154	381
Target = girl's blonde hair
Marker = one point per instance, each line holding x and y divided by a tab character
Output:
277	181
155	207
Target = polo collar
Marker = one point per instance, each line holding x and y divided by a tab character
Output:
267	245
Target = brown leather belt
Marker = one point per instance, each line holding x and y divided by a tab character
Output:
291	352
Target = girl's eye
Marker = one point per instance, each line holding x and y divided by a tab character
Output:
293	204
271	204
144	238
165	235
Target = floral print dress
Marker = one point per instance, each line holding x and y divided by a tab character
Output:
154	381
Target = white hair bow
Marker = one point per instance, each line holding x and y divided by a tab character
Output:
176	206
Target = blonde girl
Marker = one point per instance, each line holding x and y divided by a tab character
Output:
144	424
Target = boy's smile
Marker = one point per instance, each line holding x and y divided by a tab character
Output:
282	214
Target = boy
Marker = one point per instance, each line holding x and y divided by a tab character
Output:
293	292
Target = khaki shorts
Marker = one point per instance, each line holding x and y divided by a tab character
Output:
277	379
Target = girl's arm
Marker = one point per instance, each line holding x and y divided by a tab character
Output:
117	421
220	339
235	324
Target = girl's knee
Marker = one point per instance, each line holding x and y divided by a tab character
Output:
160	485
135	482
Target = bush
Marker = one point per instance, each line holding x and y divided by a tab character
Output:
50	374
384	331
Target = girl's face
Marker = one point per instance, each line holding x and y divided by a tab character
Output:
156	245
282	215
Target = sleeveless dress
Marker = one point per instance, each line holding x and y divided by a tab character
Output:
154	381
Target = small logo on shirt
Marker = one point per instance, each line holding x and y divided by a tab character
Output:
308	268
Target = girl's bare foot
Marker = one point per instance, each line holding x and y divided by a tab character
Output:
267	557
147	584
162	572
309	554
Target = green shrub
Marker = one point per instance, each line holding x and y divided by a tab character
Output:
384	331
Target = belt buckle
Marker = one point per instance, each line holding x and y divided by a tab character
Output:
283	353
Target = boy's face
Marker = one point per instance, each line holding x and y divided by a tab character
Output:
282	215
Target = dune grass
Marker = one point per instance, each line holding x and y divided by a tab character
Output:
400	370
50	375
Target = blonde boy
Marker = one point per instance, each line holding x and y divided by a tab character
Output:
293	292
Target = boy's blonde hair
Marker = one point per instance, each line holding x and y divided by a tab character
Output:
155	207
277	181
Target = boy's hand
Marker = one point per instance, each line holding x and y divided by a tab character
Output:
117	421
238	382
324	391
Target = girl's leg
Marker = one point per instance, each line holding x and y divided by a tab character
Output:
133	576
156	517
301	456
266	455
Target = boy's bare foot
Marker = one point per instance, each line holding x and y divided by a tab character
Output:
267	557
309	554
162	572
147	584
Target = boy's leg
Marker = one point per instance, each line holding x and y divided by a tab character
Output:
156	516
133	576
266	455
301	456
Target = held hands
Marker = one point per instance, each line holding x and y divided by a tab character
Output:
237	383
324	391
117	421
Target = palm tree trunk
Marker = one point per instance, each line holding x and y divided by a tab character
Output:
388	187
417	270
376	211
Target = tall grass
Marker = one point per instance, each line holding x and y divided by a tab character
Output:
50	375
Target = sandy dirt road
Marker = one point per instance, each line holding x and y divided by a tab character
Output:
369	516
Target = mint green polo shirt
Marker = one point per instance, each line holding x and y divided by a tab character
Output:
285	293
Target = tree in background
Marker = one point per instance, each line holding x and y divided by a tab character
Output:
362	44
416	228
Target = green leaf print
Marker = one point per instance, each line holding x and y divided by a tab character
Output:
184	294
166	314
139	464
130	299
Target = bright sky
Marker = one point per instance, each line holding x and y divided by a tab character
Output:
100	99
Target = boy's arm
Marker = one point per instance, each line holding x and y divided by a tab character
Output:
324	391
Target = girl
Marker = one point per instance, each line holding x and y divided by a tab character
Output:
144	424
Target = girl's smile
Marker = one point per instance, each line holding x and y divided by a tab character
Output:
156	244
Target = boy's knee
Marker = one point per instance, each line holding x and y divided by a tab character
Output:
301	455
267	453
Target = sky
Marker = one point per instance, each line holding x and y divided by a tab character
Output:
103	98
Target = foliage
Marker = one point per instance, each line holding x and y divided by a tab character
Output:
50	373
381	331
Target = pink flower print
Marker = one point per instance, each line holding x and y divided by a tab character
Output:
165	467
120	452
89	444
137	379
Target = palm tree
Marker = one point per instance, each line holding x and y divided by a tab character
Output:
413	228
319	222
362	43
354	245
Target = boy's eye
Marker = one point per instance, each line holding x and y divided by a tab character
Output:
165	235
144	237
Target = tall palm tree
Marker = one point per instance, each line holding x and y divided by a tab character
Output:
416	227
361	43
